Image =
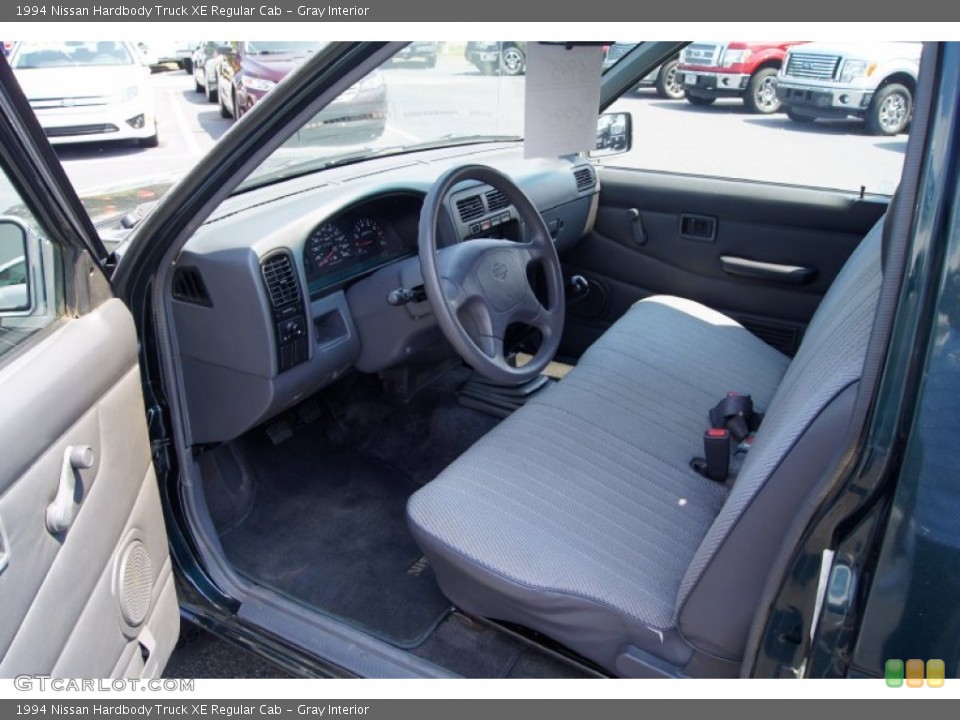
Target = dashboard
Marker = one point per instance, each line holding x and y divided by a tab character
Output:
286	288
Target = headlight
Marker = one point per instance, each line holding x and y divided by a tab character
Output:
126	94
735	57
255	83
852	69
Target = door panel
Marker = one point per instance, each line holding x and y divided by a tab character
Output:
689	236
97	598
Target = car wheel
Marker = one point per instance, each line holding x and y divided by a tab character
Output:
761	95
188	65
238	110
512	61
224	112
698	100
799	117
890	110
431	61
198	85
669	85
211	93
150	142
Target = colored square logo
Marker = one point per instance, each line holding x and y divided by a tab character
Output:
936	672
914	673
893	671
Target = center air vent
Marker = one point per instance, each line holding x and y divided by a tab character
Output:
281	280
470	208
585	177
188	287
496	200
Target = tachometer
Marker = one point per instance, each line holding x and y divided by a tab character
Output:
369	236
326	248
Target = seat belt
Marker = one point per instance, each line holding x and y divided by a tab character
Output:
733	422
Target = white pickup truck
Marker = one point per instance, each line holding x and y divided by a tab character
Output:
875	82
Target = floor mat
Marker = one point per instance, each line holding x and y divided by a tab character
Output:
328	528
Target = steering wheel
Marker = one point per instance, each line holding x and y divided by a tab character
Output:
479	288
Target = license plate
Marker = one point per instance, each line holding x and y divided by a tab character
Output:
689	79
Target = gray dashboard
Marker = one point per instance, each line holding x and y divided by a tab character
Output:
285	288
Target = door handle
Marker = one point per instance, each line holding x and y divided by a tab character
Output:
775	272
63	510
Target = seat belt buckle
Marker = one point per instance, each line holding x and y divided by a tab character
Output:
715	463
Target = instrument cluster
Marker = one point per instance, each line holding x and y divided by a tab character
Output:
360	239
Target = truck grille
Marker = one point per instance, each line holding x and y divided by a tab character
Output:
702	54
809	65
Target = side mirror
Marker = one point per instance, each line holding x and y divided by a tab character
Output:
614	134
17	290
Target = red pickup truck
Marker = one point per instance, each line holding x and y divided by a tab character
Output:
710	70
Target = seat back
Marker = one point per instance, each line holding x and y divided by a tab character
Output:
797	443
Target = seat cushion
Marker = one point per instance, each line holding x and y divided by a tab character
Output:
579	514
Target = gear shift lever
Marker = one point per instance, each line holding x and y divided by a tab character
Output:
577	289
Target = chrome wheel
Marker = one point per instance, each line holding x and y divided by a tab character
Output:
512	61
761	94
889	112
893	113
670	82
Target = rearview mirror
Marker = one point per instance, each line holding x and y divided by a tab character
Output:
15	287
614	134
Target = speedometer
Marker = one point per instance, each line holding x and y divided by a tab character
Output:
326	248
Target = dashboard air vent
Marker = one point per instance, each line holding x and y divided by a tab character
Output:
470	208
496	200
585	177
188	287
281	279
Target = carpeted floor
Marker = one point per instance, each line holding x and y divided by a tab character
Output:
328	527
323	517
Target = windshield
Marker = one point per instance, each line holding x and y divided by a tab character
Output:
32	55
411	102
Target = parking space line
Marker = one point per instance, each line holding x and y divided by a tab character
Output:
192	145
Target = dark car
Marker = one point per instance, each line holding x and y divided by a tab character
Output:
497	57
304	404
254	68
